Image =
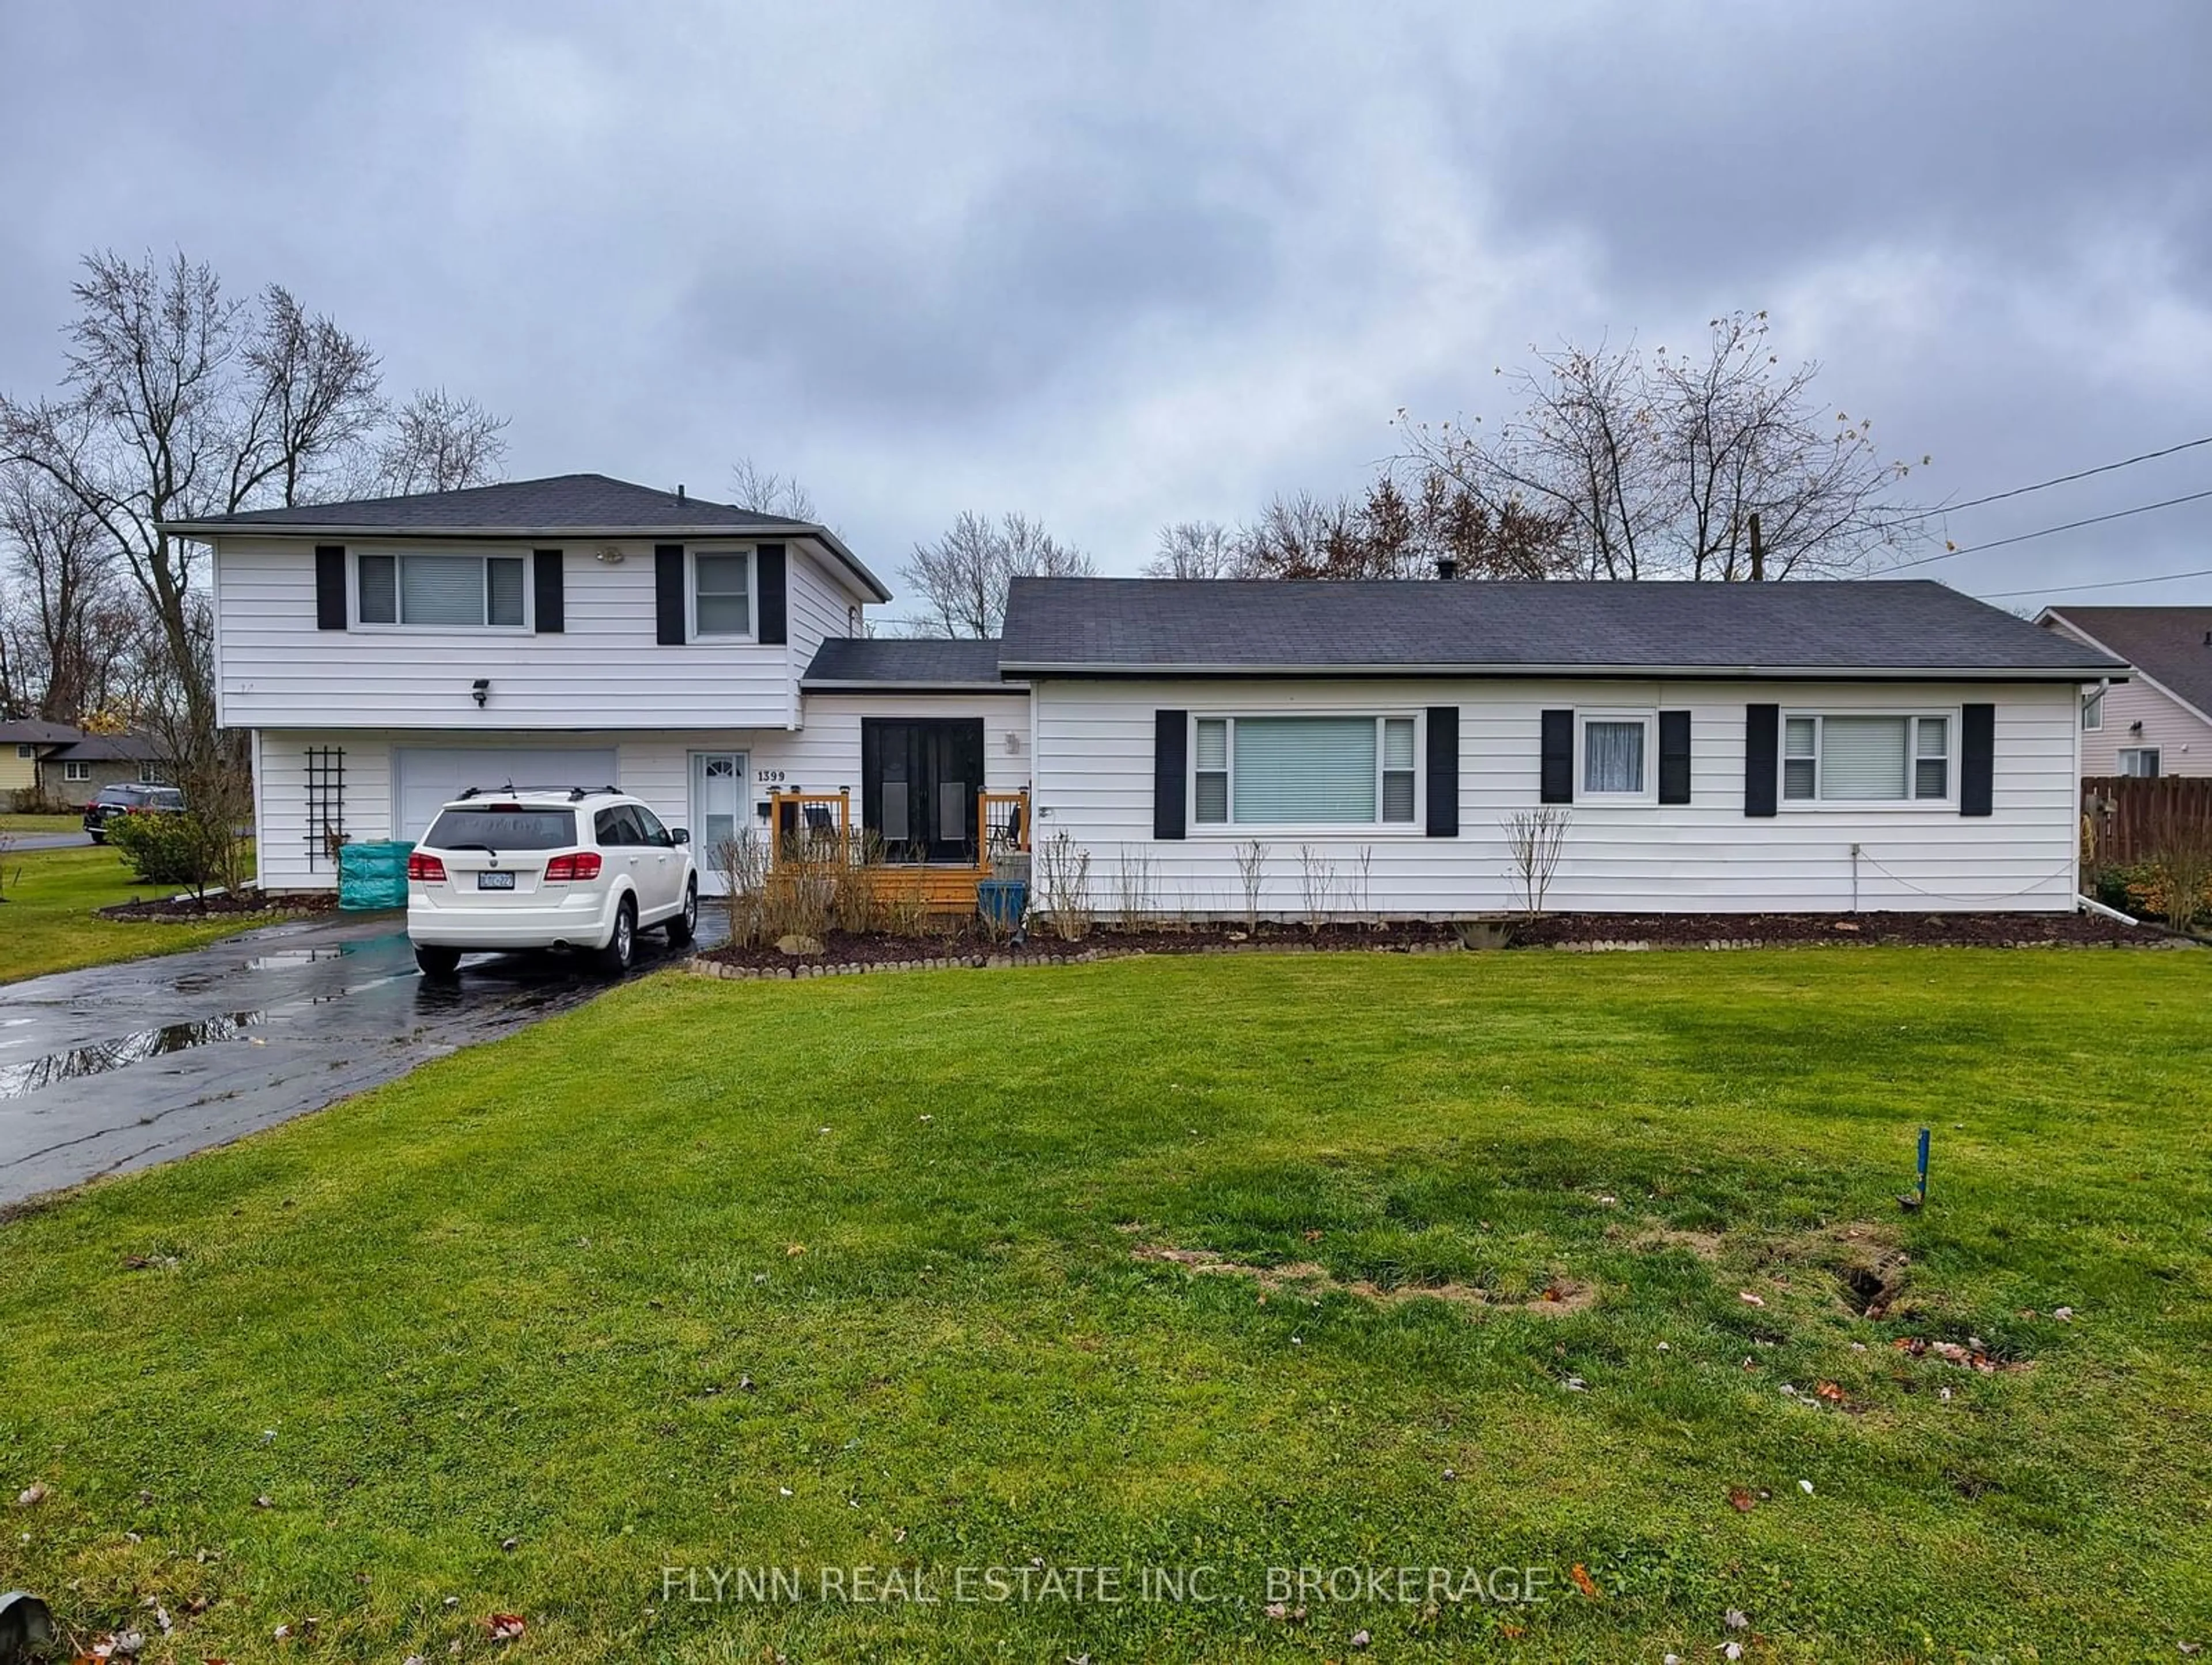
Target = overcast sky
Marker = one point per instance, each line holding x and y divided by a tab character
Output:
1116	265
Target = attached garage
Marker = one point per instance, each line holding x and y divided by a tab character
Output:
428	777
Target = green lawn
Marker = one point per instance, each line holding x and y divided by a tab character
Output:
47	922
12	823
864	1272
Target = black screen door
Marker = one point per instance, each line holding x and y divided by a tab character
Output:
918	784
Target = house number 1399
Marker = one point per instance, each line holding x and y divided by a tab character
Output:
767	775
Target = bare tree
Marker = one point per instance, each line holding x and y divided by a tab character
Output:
178	402
71	622
962	578
1197	548
766	492
1665	466
1534	842
439	442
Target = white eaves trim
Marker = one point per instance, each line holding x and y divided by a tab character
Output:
1645	672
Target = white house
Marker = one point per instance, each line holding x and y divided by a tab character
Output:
2159	722
1712	748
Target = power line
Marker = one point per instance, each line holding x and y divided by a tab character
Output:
2071	526
2064	479
2110	584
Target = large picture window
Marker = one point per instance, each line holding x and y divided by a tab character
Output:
464	592
1850	758
1305	771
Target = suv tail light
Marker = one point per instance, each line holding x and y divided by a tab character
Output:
585	864
426	867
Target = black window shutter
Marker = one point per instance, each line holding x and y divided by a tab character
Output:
1762	761
1977	758
769	564
1171	771
1558	783
668	594
1674	756
550	599
330	586
1444	771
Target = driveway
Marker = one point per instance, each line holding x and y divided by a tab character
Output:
122	1066
50	841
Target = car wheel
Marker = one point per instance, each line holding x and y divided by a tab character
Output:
685	925
440	964
614	958
97	837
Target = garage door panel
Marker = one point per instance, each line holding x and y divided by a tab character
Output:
428	777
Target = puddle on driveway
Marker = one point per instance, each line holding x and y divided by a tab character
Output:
285	958
20	1080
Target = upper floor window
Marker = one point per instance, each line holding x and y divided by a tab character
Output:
722	595
1305	771
2139	760
83	771
463	592
2093	711
1866	759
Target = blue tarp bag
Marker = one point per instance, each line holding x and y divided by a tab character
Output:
372	876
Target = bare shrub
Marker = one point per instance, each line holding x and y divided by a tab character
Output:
1534	841
2181	868
743	863
1132	888
1063	870
855	900
1316	884
1366	864
1251	871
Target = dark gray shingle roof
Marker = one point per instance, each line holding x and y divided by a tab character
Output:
2171	646
573	504
1137	625
904	662
129	748
37	730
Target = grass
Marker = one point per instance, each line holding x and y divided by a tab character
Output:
13	822
847	1272
48	921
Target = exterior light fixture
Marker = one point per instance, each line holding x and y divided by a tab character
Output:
482	689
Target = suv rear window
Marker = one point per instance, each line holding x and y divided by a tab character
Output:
504	827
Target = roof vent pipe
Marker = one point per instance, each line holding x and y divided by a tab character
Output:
679	492
1447	567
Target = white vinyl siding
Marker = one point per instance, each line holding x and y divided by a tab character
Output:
1095	774
604	671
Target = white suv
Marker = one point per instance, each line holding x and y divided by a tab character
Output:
547	868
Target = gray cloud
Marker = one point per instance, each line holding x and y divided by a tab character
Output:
1118	265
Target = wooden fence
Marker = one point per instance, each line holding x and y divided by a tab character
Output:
2127	818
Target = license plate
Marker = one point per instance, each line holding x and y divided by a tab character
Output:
494	881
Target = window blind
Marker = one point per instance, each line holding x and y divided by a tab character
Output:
1305	770
504	584
379	590
1862	758
441	589
723	607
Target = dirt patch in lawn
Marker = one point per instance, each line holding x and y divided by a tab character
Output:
1309	1280
171	910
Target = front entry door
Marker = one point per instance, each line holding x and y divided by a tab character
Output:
919	780
718	813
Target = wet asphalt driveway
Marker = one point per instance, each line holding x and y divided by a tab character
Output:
125	1065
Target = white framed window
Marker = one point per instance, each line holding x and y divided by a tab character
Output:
441	592
721	595
1867	757
148	774
1616	757
1265	770
2142	760
2093	711
75	771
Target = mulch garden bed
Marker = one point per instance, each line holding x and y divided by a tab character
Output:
174	910
1592	932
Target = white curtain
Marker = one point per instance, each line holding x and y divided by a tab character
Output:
1612	756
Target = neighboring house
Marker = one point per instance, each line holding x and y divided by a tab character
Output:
2159	722
1724	748
24	745
73	774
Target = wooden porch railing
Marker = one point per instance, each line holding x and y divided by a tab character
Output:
814	827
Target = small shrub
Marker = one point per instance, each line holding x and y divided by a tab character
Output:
1063	869
162	849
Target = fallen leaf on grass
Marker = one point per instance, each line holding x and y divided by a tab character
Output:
1736	1619
31	1495
1829	1390
1584	1582
1740	1500
791	1251
505	1627
1749	1299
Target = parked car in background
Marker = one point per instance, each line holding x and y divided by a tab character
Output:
548	868
112	801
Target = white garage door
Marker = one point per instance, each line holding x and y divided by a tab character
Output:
428	777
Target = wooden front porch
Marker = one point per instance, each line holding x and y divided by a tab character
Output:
811	830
